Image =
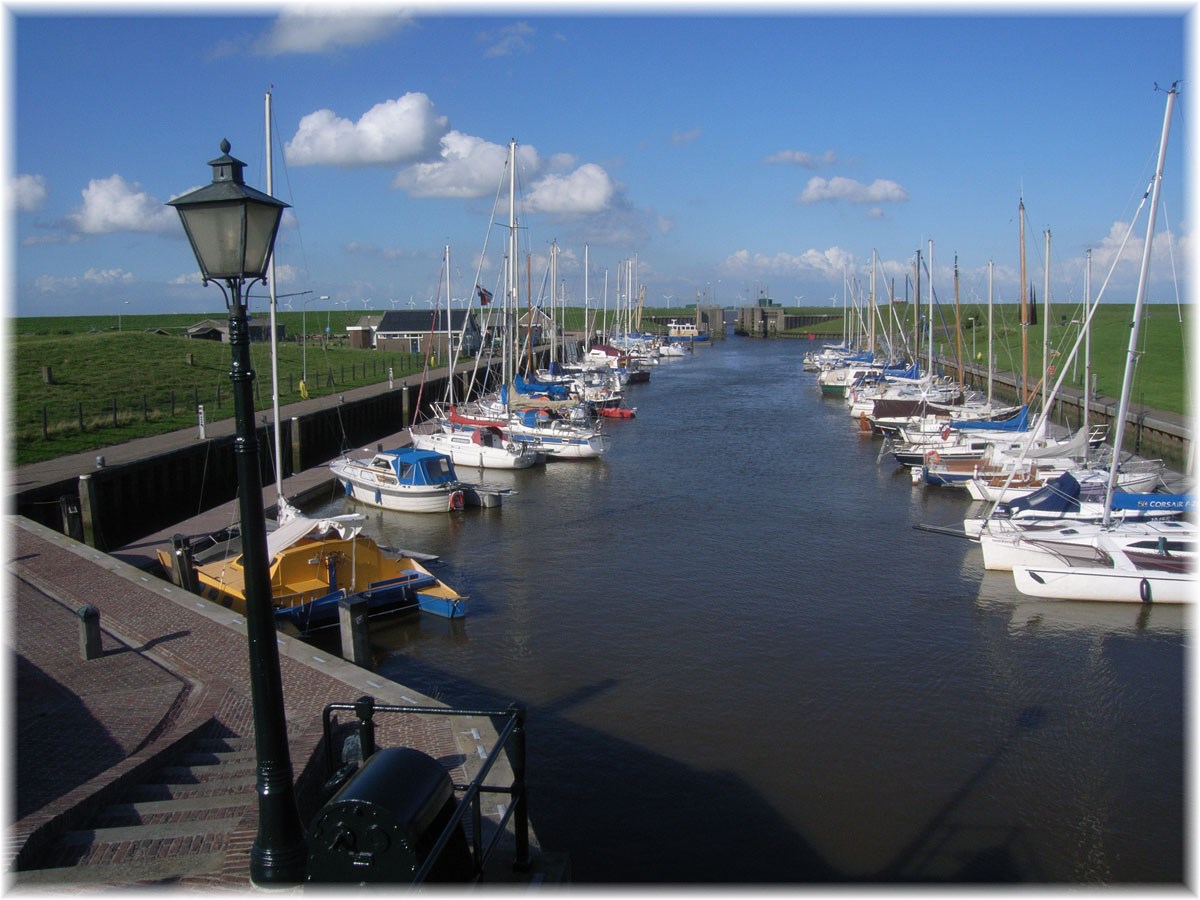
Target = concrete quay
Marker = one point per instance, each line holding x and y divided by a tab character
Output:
136	766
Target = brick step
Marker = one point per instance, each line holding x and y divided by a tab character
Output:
124	873
148	812
193	758
164	831
223	744
215	785
201	774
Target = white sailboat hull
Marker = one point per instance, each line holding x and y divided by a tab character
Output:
1104	584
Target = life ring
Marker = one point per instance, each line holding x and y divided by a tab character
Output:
456	500
1144	591
932	458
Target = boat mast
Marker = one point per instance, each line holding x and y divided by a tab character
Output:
1139	303
1087	352
930	335
989	362
1046	329
511	299
450	355
958	324
274	335
1024	310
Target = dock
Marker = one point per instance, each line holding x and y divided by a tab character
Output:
135	755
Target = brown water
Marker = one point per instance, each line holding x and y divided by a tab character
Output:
743	664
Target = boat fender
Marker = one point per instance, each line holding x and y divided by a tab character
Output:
456	500
1144	591
511	447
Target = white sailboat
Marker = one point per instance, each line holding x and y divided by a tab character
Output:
1111	565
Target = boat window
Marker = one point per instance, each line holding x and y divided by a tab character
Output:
439	468
405	470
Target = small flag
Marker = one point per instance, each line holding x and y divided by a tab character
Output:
485	296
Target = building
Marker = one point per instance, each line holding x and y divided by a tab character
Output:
420	331
218	330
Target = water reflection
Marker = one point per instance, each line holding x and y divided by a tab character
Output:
742	662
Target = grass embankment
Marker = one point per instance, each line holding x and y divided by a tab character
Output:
1163	368
108	386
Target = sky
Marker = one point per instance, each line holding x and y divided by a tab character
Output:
722	153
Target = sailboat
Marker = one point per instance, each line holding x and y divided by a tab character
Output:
314	564
484	447
1120	562
527	420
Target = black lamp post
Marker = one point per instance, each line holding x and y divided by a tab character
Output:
232	230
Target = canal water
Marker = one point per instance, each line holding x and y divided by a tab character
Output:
742	663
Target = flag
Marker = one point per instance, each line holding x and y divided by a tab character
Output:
485	296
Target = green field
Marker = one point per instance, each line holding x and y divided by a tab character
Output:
107	385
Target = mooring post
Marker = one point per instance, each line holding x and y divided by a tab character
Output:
356	638
89	631
87	511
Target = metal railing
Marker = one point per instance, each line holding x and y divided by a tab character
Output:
513	729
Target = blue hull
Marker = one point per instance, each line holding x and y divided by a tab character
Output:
400	595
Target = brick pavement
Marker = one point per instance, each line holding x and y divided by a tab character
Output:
172	663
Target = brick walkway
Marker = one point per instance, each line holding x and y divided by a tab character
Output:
172	665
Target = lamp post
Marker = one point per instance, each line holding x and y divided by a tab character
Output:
232	231
304	335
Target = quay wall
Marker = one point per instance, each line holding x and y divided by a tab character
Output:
116	505
1149	433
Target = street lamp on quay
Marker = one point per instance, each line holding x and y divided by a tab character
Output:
304	335
232	229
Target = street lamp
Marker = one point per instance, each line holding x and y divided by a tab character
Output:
232	231
304	335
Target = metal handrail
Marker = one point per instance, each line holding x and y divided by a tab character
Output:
365	709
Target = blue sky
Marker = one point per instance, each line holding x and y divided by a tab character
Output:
733	156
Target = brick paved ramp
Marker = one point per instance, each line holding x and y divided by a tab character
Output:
137	767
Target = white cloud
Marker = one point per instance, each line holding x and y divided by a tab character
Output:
395	131
114	205
469	167
685	137
508	40
803	158
586	190
830	263
28	192
323	30
1170	251
881	190
49	284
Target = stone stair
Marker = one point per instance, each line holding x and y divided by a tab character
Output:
174	824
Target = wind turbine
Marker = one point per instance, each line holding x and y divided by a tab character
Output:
668	298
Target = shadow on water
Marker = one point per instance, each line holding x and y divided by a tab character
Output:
732	833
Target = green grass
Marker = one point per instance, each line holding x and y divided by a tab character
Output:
107	387
1163	372
147	378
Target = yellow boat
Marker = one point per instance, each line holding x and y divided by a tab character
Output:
314	564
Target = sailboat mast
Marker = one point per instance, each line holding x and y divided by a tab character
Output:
511	300
1024	311
450	355
1087	352
274	335
958	324
930	336
1139	303
989	362
1046	329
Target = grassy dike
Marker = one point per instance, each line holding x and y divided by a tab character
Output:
79	383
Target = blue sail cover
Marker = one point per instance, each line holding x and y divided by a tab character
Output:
1059	495
1019	422
533	386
